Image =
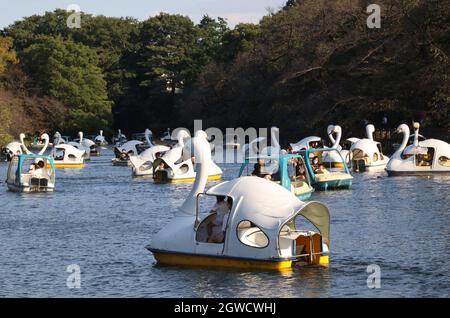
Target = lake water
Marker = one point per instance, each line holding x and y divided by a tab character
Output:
101	219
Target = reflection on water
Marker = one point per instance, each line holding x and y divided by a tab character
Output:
101	219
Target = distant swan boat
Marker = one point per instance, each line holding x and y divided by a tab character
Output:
428	157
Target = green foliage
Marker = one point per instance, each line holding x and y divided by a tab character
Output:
238	40
167	57
310	64
68	72
7	55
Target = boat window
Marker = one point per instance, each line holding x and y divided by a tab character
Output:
251	235
12	169
375	157
406	156
318	165
215	212
380	150
298	173
425	160
59	155
444	161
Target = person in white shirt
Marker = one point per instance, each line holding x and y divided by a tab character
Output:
37	169
216	228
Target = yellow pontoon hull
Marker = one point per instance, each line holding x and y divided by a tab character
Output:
334	164
69	165
179	259
185	180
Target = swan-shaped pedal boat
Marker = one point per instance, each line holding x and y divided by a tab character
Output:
123	152
79	144
67	156
427	157
367	154
259	231
178	164
119	139
142	164
14	148
91	147
333	158
307	143
31	173
288	170
326	177
100	139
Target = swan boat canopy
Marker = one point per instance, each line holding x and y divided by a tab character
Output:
178	164
12	149
31	173
289	171
91	146
307	143
78	143
325	177
16	148
142	164
67	156
367	154
260	230
431	156
100	139
123	152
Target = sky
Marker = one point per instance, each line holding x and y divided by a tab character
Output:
234	11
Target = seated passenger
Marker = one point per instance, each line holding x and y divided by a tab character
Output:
422	160
37	170
315	164
217	227
300	172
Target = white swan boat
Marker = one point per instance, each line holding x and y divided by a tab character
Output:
259	230
31	173
81	146
142	164
307	143
428	157
67	156
367	154
100	139
178	164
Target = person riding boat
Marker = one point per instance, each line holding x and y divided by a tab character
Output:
216	229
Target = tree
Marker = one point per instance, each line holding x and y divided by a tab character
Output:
167	57
238	40
69	73
7	54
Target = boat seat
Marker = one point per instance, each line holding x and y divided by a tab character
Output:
253	236
300	187
303	246
42	182
332	176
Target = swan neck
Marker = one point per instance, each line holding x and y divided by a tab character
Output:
404	142
416	137
25	149
369	132
338	139
46	138
202	153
